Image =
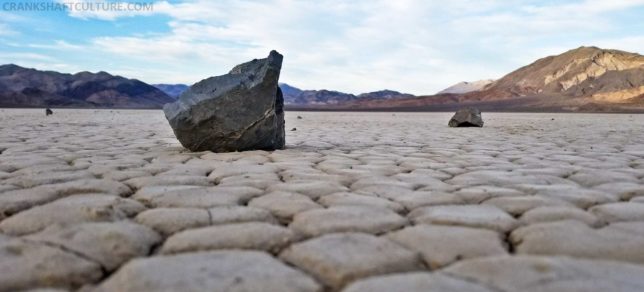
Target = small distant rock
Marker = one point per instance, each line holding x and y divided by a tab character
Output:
48	112
242	110
468	117
299	117
294	129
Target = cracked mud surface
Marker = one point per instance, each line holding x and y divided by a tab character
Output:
109	201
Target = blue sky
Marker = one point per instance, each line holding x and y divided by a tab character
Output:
415	46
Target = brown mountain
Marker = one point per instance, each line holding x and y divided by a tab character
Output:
605	76
583	79
23	87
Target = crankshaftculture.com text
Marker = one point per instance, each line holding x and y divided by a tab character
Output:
77	6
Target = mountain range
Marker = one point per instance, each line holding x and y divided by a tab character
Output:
609	76
586	79
172	90
294	96
582	79
24	87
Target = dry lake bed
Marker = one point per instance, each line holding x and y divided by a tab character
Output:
103	200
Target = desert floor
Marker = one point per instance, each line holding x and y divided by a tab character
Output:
108	200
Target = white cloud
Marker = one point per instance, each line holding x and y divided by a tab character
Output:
6	19
631	44
411	45
31	60
5	30
58	45
27	56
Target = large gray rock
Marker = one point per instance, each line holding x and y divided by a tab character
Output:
467	117
242	110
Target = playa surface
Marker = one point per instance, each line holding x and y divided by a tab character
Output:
109	200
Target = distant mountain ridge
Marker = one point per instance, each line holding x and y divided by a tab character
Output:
609	76
24	87
583	79
296	96
172	90
465	87
289	92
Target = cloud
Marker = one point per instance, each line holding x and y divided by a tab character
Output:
5	30
28	59
58	45
417	46
631	44
28	56
6	20
353	45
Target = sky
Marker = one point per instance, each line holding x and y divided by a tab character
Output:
413	46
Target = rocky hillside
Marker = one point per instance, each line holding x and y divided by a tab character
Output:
172	90
298	97
610	76
585	79
385	95
320	97
465	87
23	87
